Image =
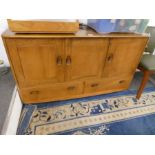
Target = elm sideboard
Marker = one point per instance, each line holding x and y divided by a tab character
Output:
51	67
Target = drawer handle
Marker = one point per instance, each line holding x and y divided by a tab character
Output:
59	60
34	92
71	88
94	85
68	60
122	81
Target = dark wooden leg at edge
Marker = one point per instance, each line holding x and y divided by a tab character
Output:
143	83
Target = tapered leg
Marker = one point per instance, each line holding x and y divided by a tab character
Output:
143	83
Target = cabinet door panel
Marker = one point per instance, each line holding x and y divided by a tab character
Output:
87	57
123	56
36	60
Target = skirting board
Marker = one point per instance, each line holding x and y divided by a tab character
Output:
13	115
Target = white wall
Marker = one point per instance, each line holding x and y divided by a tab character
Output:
3	56
4	26
152	22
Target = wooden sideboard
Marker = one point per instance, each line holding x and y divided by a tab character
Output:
50	67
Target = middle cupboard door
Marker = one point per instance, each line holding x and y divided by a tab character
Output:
85	58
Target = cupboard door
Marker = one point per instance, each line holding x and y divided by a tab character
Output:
37	61
85	57
123	56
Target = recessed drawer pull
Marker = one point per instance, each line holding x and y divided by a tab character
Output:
110	57
68	60
122	81
94	85
71	88
59	60
34	92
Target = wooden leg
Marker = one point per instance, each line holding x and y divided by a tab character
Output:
143	83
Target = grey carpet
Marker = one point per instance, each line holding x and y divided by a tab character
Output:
137	80
7	85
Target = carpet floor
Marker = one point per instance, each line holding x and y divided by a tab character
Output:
7	85
111	114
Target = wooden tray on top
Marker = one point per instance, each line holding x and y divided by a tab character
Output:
43	26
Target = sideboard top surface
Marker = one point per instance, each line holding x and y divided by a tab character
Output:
86	33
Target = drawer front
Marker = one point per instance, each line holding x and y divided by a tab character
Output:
51	93
107	84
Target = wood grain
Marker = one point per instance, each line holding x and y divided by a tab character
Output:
42	26
35	60
123	56
87	58
88	33
50	67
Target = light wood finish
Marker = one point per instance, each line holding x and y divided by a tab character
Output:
123	56
30	98
52	67
37	61
42	26
89	33
51	92
105	84
76	89
87	57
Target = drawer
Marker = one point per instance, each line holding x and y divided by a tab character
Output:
107	84
51	92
